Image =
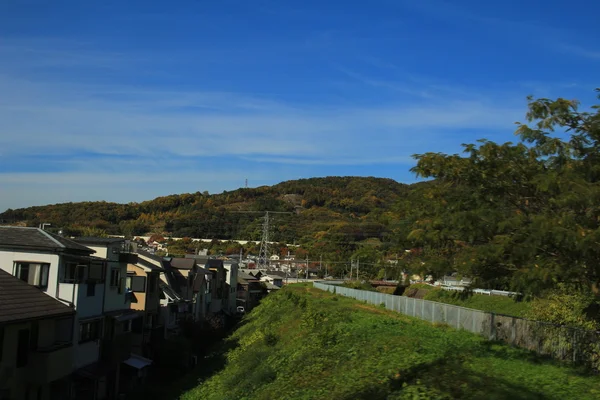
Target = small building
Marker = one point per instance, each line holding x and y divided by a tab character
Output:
142	281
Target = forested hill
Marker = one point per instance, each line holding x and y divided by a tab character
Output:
314	204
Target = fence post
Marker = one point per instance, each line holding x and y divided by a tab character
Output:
422	309
492	326
433	313
445	321
513	331
414	307
574	346
458	319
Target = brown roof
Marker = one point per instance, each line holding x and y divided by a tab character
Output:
19	237
20	301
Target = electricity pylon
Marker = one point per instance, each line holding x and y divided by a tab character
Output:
264	254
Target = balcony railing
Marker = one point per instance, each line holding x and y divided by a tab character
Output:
50	363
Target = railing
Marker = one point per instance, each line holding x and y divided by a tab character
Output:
50	363
560	342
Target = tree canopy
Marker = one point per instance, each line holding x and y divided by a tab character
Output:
523	216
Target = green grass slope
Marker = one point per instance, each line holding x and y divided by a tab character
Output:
497	304
302	343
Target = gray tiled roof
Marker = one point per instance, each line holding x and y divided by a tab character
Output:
35	238
246	277
20	301
183	263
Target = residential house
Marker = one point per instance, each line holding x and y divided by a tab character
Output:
173	306
249	291
272	279
36	342
67	271
114	327
143	282
231	269
219	289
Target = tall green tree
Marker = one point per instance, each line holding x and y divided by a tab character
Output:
523	216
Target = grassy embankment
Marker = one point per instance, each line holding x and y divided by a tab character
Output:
302	343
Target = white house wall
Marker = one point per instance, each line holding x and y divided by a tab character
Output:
7	259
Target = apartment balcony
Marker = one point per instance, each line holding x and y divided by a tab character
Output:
50	363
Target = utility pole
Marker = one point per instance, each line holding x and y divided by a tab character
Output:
357	267
307	268
351	265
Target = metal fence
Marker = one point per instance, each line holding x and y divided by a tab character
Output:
560	342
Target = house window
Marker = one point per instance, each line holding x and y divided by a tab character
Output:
23	348
74	273
35	274
115	277
137	284
89	331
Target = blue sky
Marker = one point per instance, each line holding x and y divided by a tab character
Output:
129	100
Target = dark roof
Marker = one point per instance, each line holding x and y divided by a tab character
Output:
20	301
98	240
149	265
245	276
35	238
214	263
277	273
183	263
198	281
168	290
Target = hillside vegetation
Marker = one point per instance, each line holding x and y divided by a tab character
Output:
302	343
